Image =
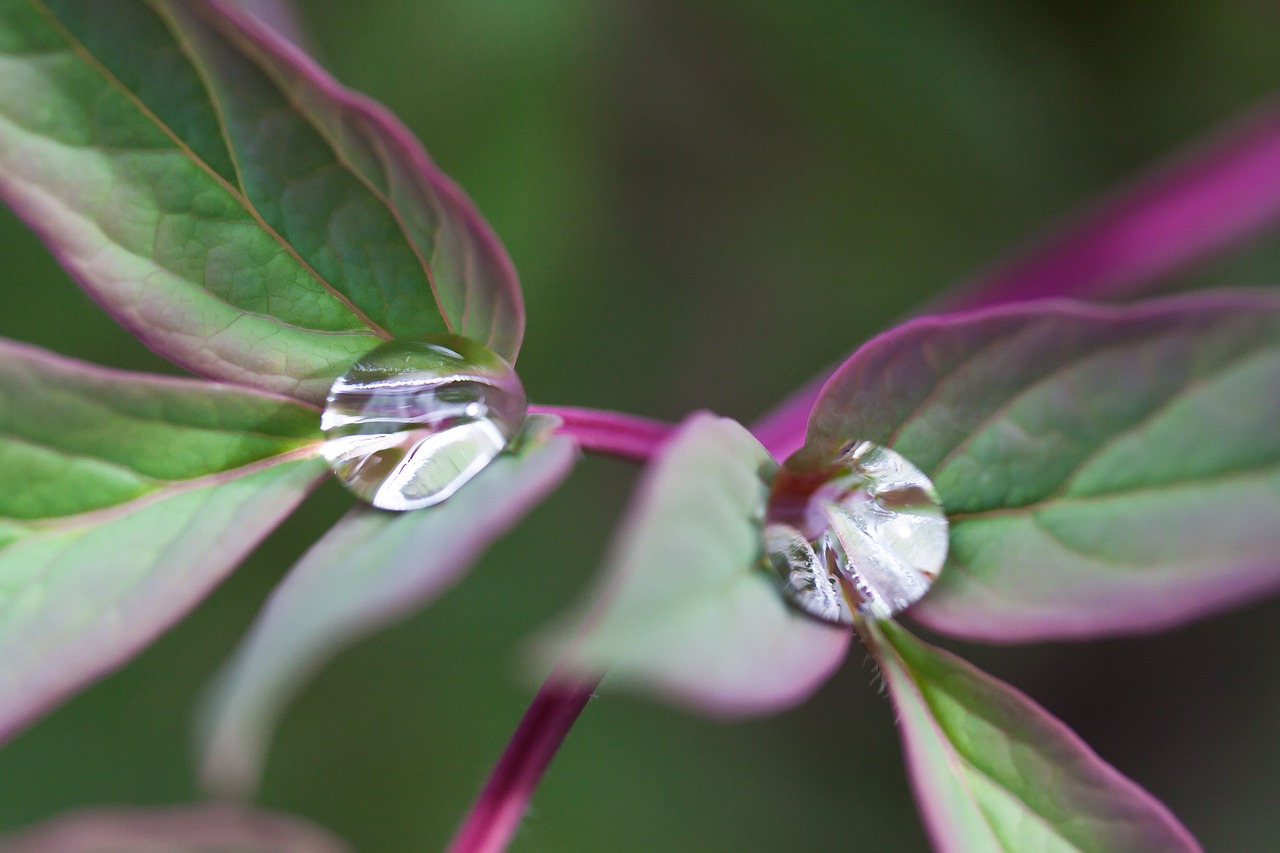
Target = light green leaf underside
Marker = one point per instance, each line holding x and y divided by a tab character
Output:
77	602
75	438
1103	470
371	569
994	772
236	209
686	608
123	499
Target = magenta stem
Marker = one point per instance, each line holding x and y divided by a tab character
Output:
616	434
496	814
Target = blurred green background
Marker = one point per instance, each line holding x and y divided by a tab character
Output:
707	202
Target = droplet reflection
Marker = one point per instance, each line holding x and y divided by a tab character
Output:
413	421
866	534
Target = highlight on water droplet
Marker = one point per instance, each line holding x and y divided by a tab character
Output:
412	421
866	534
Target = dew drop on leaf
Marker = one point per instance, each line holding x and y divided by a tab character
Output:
865	534
412	421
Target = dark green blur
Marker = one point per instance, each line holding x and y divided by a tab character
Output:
707	201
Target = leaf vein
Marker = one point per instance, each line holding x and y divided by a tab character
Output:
85	54
48	527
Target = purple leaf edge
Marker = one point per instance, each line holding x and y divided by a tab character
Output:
98	829
229	772
32	352
917	772
1226	184
1223	298
1196	601
141	639
395	132
830	645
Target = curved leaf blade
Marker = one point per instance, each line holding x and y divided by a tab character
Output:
993	771
372	569
1104	470
686	608
230	203
195	829
1216	193
123	499
441	265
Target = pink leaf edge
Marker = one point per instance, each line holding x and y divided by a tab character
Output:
171	830
1218	192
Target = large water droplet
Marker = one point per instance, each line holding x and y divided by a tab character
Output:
866	534
413	421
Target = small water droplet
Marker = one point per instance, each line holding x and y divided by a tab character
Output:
412	421
866	534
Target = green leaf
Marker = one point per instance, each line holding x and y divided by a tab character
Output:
371	569
687	608
194	829
123	499
229	202
993	771
1104	470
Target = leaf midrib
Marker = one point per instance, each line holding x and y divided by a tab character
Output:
339	154
1059	495
963	764
7	437
1260	472
1039	381
40	528
78	47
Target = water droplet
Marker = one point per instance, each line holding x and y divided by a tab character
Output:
412	421
866	534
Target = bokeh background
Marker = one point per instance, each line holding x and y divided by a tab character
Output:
707	202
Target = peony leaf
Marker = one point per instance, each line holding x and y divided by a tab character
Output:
227	201
995	772
687	608
123	499
1104	470
1219	192
371	569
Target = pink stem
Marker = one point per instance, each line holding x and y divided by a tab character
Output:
627	437
496	814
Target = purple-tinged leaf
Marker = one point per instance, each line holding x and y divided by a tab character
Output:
280	15
229	202
1218	193
193	829
781	431
687	607
373	568
993	771
123	499
1104	470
